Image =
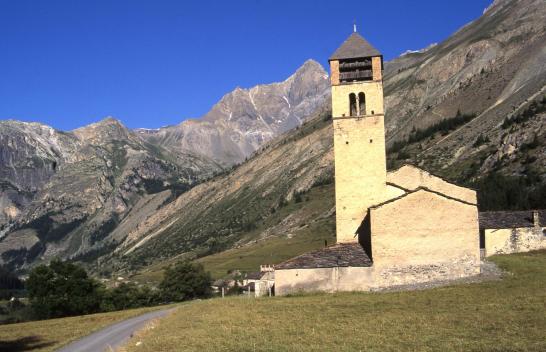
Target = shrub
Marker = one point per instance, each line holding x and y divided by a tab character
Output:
129	295
481	140
184	281
403	155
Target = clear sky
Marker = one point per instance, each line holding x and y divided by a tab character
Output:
157	62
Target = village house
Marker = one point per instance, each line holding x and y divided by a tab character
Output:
505	232
260	282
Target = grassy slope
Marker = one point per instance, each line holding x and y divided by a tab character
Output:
506	315
272	250
49	335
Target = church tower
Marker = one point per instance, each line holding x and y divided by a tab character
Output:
359	133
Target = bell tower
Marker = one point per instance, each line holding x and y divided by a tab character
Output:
359	133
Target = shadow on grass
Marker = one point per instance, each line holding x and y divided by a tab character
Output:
28	343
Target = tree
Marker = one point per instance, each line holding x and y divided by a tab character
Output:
127	296
185	281
62	289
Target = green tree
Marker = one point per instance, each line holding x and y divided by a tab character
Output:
62	289
184	281
127	296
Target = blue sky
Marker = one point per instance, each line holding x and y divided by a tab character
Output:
157	62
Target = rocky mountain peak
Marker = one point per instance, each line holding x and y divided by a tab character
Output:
311	65
245	119
108	128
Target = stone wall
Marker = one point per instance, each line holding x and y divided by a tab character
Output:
360	171
377	68
374	98
411	178
334	72
516	240
323	279
348	279
425	230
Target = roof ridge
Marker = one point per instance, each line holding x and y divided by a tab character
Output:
431	174
420	188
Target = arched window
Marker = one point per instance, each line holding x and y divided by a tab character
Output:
352	104
361	104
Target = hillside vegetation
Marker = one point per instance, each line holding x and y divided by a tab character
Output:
504	315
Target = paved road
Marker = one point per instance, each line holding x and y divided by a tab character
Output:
113	336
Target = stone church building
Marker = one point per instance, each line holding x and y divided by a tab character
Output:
393	228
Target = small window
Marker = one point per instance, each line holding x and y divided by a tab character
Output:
362	103
352	104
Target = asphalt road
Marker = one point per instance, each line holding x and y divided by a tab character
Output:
113	336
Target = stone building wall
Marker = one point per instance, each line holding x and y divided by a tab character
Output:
334	72
516	240
349	279
411	178
360	171
323	279
423	233
377	68
374	98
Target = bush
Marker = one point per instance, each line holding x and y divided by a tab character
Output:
297	197
481	140
403	155
184	281
62	289
127	296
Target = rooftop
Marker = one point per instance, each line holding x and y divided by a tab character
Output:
355	47
338	255
509	219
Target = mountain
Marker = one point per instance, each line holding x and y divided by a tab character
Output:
493	69
78	194
465	108
245	119
73	193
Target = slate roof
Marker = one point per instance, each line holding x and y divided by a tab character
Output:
254	275
338	255
510	219
355	47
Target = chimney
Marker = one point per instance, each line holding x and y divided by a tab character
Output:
536	219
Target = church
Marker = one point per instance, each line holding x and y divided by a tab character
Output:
393	228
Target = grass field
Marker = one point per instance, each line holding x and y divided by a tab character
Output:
49	335
504	315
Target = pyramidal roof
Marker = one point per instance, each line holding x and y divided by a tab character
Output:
355	47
